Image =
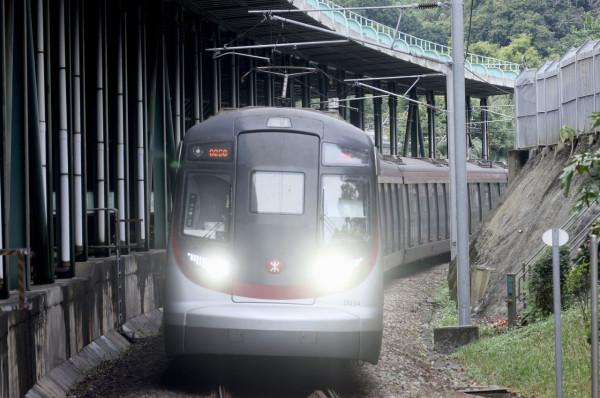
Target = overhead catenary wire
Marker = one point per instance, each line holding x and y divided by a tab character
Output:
402	96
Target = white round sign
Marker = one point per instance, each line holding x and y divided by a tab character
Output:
563	237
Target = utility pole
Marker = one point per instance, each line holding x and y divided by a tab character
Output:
460	167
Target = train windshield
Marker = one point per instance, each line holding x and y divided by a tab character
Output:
345	209
207	206
277	193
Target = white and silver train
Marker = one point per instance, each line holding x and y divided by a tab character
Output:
283	222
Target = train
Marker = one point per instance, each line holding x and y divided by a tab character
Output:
284	222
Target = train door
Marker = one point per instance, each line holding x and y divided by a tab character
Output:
275	216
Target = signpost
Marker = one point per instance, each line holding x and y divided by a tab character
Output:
556	238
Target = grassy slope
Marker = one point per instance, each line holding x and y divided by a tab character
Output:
523	358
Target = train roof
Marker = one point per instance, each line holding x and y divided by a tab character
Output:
228	123
412	170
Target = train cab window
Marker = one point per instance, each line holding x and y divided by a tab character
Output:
207	206
345	209
277	192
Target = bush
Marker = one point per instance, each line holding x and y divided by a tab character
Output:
540	287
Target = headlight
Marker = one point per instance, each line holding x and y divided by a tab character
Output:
215	268
333	270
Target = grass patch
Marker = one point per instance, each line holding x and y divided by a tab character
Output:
522	359
444	312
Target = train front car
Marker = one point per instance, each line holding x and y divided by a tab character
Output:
274	249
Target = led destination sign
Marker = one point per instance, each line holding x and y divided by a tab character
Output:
219	152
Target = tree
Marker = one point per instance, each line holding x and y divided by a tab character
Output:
584	163
519	50
591	29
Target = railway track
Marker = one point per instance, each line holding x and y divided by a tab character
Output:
326	393
223	392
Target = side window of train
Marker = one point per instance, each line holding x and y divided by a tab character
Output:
433	211
207	204
474	206
345	209
424	213
495	193
389	211
443	211
486	199
396	217
412	193
383	217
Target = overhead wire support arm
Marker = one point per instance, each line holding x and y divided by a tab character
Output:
400	96
218	54
364	79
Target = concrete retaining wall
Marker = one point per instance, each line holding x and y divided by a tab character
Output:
66	316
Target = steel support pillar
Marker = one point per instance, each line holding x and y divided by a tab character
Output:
323	88
393	108
414	134
469	126
377	123
357	108
431	124
306	82
216	87
196	32
342	93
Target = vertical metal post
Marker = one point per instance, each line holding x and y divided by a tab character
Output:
215	87
41	96
462	250
252	93
121	194
77	137
235	92
197	73
141	125
511	300
484	128
557	314
594	311
451	158
100	142
177	124
65	221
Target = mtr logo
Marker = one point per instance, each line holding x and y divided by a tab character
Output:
274	266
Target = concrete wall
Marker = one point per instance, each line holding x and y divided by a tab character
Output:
66	316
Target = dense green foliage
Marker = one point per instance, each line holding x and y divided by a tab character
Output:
540	287
514	30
